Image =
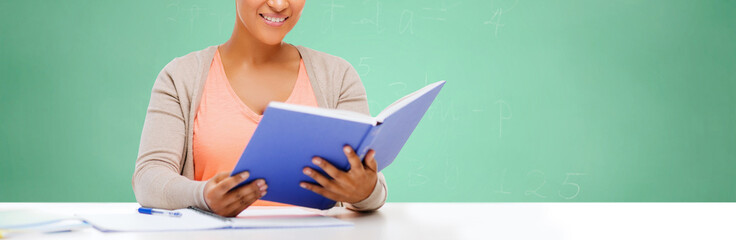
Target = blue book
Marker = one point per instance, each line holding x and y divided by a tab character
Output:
289	135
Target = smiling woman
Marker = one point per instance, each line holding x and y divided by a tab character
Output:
205	106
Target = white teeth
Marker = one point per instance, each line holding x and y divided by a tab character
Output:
274	19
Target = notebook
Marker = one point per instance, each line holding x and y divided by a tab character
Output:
195	219
289	135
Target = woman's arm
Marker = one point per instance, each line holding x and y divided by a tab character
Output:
353	98
157	180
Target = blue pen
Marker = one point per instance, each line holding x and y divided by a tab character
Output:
152	211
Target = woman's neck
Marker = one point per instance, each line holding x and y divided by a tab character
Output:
245	48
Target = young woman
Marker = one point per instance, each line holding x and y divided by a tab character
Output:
205	106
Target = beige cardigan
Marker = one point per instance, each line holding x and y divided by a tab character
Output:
164	170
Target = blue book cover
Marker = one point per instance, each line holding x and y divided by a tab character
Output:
289	135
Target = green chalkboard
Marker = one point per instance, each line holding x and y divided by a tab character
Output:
545	100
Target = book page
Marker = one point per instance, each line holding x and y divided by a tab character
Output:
398	104
333	113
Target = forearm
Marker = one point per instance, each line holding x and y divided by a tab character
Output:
160	187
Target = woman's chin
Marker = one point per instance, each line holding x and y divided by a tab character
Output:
271	39
274	42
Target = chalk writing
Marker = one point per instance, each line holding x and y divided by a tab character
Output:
571	184
496	18
416	178
406	21
501	116
496	21
503	179
401	85
364	66
439	11
535	190
330	14
371	21
569	188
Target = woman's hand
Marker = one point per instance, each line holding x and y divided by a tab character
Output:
229	203
352	186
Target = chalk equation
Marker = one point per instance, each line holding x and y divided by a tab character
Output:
568	189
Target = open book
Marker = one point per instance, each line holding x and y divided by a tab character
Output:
288	136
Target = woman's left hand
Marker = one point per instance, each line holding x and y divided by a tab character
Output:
352	186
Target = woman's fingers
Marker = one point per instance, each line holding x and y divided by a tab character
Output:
239	204
234	195
353	158
241	198
370	161
320	190
229	183
321	179
255	187
245	201
226	201
329	169
212	195
344	186
242	205
220	176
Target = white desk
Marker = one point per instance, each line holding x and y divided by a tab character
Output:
463	221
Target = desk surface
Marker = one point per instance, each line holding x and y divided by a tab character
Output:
462	221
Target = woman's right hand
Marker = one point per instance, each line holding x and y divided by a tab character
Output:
229	203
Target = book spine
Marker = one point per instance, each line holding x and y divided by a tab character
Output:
367	142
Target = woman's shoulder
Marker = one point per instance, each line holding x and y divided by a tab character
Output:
192	62
322	60
184	76
187	72
336	81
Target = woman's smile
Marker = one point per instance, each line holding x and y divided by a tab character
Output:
273	19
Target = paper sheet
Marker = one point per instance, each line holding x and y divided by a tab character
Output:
284	217
136	222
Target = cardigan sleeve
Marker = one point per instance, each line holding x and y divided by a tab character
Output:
353	97
157	180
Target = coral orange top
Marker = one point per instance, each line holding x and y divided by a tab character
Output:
224	125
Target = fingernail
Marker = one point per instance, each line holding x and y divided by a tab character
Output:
261	183
303	185
244	175
346	149
263	193
263	188
316	161
307	171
